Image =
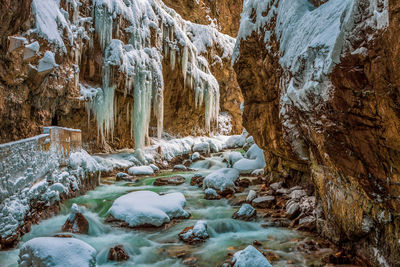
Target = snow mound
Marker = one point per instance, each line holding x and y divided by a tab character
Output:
254	160
141	170
221	180
148	208
250	256
54	251
203	148
233	157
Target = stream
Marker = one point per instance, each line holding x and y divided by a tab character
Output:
161	246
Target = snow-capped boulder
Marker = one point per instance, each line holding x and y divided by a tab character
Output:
211	194
121	176
194	234
254	159
196	156
222	180
203	148
250	256
246	213
234	157
57	252
148	208
252	195
154	167
141	170
76	222
236	141
180	167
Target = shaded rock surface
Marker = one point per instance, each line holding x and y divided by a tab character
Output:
118	253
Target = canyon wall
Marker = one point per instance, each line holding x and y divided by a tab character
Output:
82	64
321	85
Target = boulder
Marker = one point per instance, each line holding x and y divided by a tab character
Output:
203	148
196	156
297	194
180	167
121	176
292	209
222	180
154	167
246	213
264	202
141	170
252	195
211	194
76	222
118	253
197	179
250	256
170	180
194	234
54	251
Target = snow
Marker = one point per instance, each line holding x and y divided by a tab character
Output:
254	160
141	170
250	256
54	251
154	167
221	179
199	231
47	62
195	156
235	141
246	210
203	147
148	208
233	157
224	123
210	192
251	196
48	20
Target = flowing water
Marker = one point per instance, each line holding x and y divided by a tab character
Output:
161	247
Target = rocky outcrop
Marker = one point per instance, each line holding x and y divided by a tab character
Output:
82	70
321	88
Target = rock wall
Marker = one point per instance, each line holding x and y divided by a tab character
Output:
31	97
321	86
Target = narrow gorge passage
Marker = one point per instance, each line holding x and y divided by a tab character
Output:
233	133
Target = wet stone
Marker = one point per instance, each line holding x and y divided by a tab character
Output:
118	253
264	202
171	180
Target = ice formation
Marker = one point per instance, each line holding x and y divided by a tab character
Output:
254	160
154	33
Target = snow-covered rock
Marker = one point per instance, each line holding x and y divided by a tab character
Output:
141	170
48	62
222	180
233	157
211	194
203	148
154	167
252	195
195	156
180	167
76	222
148	208
57	252
236	141
195	234
254	159
250	256
246	212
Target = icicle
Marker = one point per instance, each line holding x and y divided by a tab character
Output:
184	63
103	25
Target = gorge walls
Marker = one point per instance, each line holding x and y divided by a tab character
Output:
119	70
321	86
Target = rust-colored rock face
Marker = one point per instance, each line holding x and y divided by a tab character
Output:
347	143
30	99
224	14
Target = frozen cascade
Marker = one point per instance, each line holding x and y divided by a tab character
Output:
140	62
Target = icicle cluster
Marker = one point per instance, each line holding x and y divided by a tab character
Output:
141	63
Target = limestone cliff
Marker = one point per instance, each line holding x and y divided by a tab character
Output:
117	69
321	85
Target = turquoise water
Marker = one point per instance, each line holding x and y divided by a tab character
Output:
160	246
